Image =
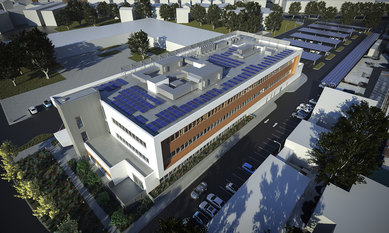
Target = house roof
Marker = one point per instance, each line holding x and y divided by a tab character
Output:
306	134
264	202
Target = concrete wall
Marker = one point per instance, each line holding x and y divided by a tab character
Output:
89	109
5	22
126	14
49	15
34	17
182	15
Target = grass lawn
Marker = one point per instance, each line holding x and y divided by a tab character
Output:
110	47
30	80
329	57
109	53
208	27
354	37
347	42
319	66
154	50
136	57
77	25
340	49
287	25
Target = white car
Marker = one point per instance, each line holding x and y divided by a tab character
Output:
300	114
305	107
208	208
312	101
33	110
215	200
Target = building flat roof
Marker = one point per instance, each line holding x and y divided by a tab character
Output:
306	134
176	33
264	202
363	209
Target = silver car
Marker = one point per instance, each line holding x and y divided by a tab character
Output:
202	187
215	200
208	208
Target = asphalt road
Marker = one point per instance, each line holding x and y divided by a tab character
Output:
254	147
16	216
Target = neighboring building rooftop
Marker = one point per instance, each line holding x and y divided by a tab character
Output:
331	104
363	209
176	33
264	202
306	134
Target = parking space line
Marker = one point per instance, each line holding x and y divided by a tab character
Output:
264	150
263	156
279	131
254	159
278	136
238	177
225	190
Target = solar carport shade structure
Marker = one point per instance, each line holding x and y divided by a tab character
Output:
308	45
315	38
331	28
310	56
324	33
341	70
342	25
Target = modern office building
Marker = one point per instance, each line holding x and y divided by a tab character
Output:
142	124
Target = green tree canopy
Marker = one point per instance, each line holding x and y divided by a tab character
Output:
103	9
213	15
353	146
311	8
329	14
68	226
64	17
118	219
113	10
274	21
125	4
175	225
10	66
294	8
138	42
90	14
164	11
277	8
75	8
198	13
348	12
143	9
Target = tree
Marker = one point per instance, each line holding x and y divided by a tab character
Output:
372	16
277	8
113	10
27	189
321	7
39	51
11	169
68	226
91	178
47	206
90	14
311	8
175	225
294	8
239	4
213	15
198	13
253	10
172	11
138	42
64	17
9	63
118	219
274	21
125	4
143	9
82	169
329	13
353	146
164	11
102	9
348	12
76	10
102	198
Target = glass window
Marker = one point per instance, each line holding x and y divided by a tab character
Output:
79	122
84	136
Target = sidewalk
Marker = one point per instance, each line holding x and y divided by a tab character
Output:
171	193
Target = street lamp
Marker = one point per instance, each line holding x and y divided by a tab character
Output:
279	148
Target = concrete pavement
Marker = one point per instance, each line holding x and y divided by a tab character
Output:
164	199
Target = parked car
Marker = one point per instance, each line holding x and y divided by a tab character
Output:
215	200
312	101
248	168
231	187
201	218
305	107
47	103
202	187
208	208
33	110
185	221
300	114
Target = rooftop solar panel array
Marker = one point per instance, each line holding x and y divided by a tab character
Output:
324	33
342	25
224	60
112	85
135	98
229	51
331	28
315	38
341	70
174	112
310	56
308	45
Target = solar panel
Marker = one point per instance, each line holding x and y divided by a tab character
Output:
315	38
324	33
307	45
331	28
342	25
336	75
310	56
141	119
